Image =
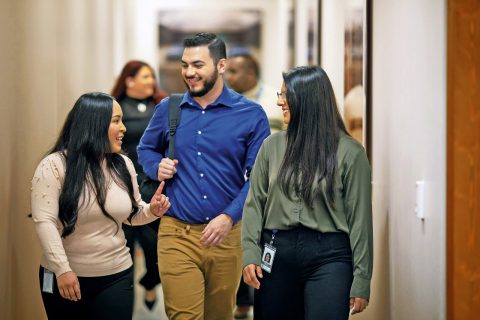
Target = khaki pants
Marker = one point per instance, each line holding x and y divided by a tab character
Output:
198	282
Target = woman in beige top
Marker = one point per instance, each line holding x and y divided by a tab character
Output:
82	192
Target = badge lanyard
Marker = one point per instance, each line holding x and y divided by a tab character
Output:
269	253
47	281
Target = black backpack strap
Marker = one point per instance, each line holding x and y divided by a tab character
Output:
174	115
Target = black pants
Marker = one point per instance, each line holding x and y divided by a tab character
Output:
146	236
244	296
311	277
106	298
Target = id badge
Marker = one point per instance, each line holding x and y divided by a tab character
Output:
267	257
47	281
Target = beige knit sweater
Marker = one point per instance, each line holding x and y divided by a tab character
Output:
96	247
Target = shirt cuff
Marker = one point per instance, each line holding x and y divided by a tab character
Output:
360	288
234	213
61	270
251	256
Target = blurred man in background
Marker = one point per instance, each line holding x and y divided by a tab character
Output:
243	75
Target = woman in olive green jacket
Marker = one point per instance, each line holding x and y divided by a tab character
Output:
307	223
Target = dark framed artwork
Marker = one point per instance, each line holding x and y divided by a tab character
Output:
357	71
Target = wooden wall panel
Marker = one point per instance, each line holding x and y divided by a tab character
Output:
463	159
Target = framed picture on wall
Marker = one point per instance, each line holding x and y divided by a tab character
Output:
354	68
349	20
240	29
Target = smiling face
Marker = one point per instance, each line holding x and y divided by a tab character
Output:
142	85
282	102
199	72
116	130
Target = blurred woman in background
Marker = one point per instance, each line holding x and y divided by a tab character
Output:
137	92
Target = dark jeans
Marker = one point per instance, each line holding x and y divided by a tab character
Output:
311	277
146	236
106	298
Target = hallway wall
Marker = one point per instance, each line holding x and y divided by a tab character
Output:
7	87
60	49
409	142
56	51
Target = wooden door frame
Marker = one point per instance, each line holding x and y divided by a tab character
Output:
463	159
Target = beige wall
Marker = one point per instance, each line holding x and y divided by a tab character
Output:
7	103
408	144
56	51
35	120
409	141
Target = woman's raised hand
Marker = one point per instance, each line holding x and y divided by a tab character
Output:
159	203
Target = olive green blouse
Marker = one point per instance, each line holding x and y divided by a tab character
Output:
267	207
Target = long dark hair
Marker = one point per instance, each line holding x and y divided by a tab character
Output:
84	143
312	134
130	69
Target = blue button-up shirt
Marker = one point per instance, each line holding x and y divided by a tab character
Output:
215	147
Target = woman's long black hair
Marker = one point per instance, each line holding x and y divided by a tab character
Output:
84	143
312	135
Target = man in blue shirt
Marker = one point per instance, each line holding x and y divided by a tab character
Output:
220	133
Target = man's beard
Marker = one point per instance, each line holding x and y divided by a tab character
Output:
209	83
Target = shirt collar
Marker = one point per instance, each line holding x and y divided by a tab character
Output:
225	99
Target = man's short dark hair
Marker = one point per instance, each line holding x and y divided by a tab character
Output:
249	62
216	46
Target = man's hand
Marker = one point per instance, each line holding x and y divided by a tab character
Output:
357	305
216	230
251	273
167	168
69	286
159	203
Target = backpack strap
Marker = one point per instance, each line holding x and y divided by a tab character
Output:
174	115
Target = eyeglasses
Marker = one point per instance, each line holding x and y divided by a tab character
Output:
282	95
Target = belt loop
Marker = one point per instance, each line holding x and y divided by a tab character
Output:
187	228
